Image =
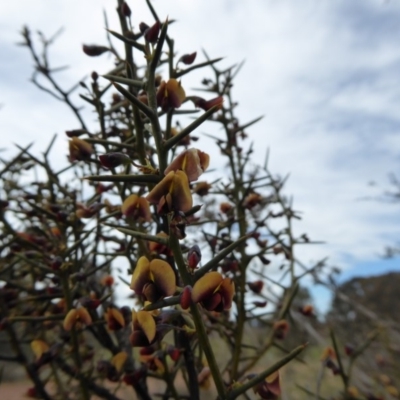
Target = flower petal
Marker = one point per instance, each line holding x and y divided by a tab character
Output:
70	319
119	360
129	204
205	286
227	290
39	347
140	275
163	276
147	324
180	192
161	189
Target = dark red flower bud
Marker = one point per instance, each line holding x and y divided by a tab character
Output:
256	286
94	50
174	353
260	304
349	349
186	297
125	10
75	132
194	256
112	160
95	75
307	310
143	27
151	34
134	377
188	58
56	263
207	104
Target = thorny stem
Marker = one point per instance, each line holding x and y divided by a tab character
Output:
200	328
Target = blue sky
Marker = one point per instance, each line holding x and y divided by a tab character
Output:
326	75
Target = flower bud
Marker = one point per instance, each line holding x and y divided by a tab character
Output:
188	58
151	34
143	27
186	297
125	10
113	160
94	50
194	256
256	286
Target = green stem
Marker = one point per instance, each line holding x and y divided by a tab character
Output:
198	320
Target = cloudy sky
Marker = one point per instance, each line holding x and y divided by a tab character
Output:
326	75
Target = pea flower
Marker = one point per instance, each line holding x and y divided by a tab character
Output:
170	94
270	389
214	292
153	279
172	193
114	318
136	208
79	149
143	329
76	315
192	161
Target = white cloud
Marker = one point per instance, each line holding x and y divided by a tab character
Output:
324	74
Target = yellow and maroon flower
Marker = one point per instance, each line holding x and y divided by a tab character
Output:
170	94
281	328
172	193
214	292
79	149
192	161
143	329
270	389
159	248
153	279
136	208
202	188
76	316
39	347
114	318
118	361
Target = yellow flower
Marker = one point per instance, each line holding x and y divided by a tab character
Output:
192	161
136	208
270	388
143	329
76	315
170	94
114	318
172	193
79	149
214	292
153	279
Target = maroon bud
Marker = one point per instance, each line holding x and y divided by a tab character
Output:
186	297
349	349
260	304
125	10
56	263
151	34
112	160
188	58
94	50
75	132
207	104
143	27
256	286
194	256
95	75
134	377
174	353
